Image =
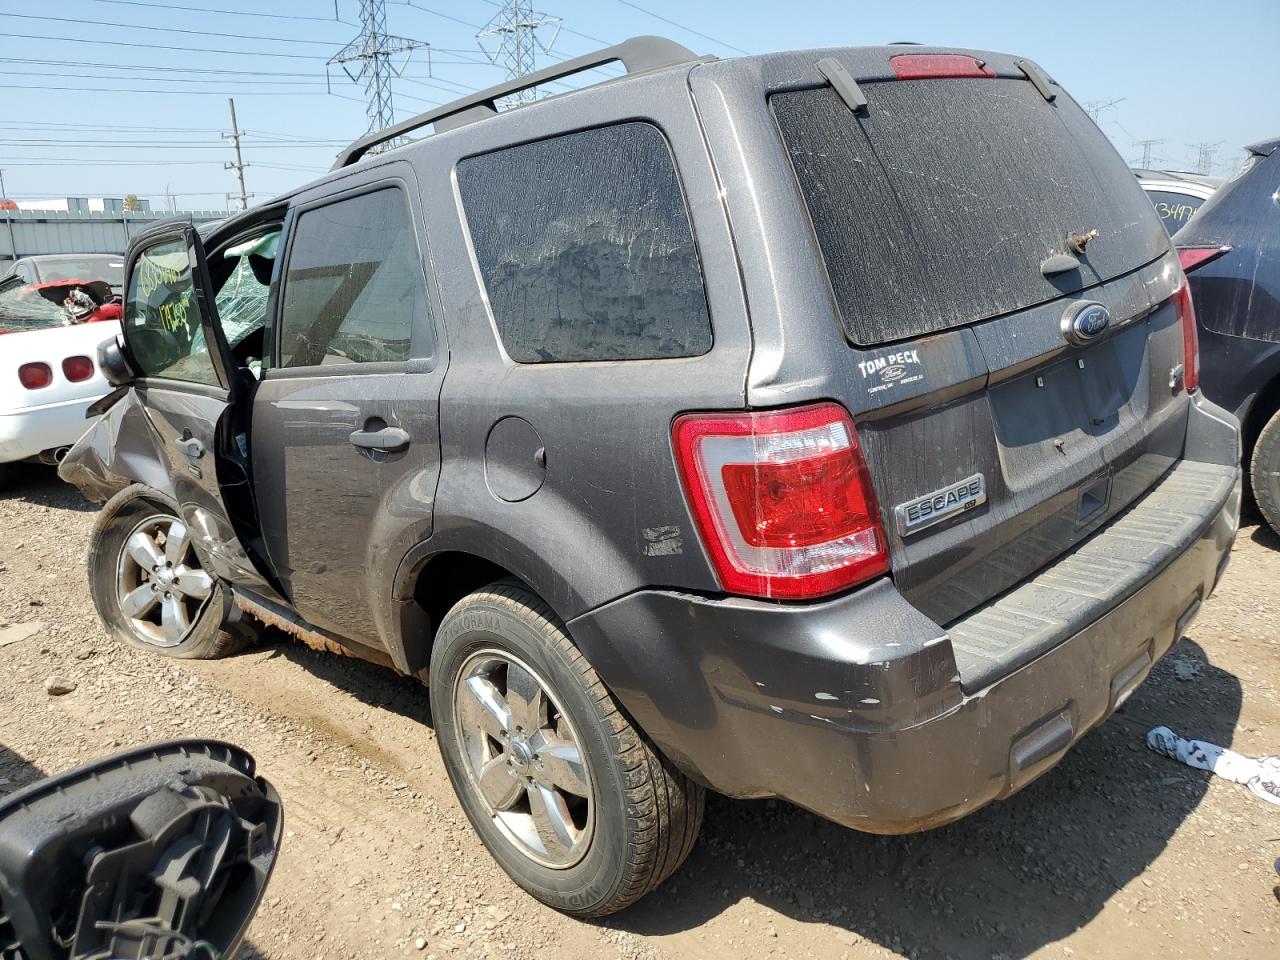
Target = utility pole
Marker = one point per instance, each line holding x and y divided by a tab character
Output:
8	220
373	50
1146	146
239	165
1205	155
516	41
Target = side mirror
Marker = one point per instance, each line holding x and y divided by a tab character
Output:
161	851
113	363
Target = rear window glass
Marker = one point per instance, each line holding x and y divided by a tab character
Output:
23	308
1175	209
935	207
110	269
585	247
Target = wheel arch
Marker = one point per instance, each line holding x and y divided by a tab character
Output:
1260	410
430	581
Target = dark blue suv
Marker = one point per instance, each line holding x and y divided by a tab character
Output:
1231	253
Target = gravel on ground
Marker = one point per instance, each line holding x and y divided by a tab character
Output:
1117	853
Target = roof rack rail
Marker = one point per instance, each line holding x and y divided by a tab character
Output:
635	54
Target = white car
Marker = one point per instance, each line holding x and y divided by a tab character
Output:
48	379
54	311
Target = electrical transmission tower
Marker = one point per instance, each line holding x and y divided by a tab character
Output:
1147	152
373	51
1205	155
1096	108
515	41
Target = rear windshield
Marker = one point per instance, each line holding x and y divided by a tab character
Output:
935	207
110	269
1175	209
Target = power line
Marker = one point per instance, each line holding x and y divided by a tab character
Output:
436	13
159	46
317	81
180	93
696	33
140	26
238	13
165	144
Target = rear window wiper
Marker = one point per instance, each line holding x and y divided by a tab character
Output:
843	83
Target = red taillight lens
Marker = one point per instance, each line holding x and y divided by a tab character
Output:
937	66
35	376
782	499
77	369
1190	337
1192	257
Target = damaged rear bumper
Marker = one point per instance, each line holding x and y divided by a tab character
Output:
863	710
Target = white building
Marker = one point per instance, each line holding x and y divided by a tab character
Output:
82	205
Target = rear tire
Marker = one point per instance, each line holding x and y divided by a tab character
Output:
1264	472
619	816
175	608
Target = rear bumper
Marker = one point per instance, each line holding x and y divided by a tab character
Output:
29	431
857	709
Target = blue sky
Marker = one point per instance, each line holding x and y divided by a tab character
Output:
144	113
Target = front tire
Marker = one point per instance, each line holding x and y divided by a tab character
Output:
569	798
148	584
1264	472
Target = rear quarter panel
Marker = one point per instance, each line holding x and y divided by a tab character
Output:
610	516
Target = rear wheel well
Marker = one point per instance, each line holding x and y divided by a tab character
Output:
1261	411
438	585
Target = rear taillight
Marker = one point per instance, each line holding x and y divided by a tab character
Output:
938	66
1190	337
782	499
77	369
35	376
1192	257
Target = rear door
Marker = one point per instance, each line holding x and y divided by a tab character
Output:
190	390
345	435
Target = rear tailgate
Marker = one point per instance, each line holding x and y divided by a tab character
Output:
933	209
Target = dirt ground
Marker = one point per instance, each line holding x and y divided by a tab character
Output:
1117	853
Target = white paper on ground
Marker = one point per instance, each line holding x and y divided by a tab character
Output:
1261	776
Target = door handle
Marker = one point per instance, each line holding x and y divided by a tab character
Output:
192	447
386	440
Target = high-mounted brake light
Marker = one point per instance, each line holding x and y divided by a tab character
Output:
938	66
1190	337
782	499
35	376
77	369
1192	257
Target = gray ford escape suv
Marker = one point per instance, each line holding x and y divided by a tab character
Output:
813	425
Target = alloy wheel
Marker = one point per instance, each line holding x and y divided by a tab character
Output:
160	585
524	759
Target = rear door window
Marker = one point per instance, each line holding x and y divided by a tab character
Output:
935	208
1174	209
354	289
585	247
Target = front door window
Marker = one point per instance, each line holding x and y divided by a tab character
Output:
162	322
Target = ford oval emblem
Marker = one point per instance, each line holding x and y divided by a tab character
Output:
1085	322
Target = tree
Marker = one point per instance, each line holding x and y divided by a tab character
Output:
131	203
